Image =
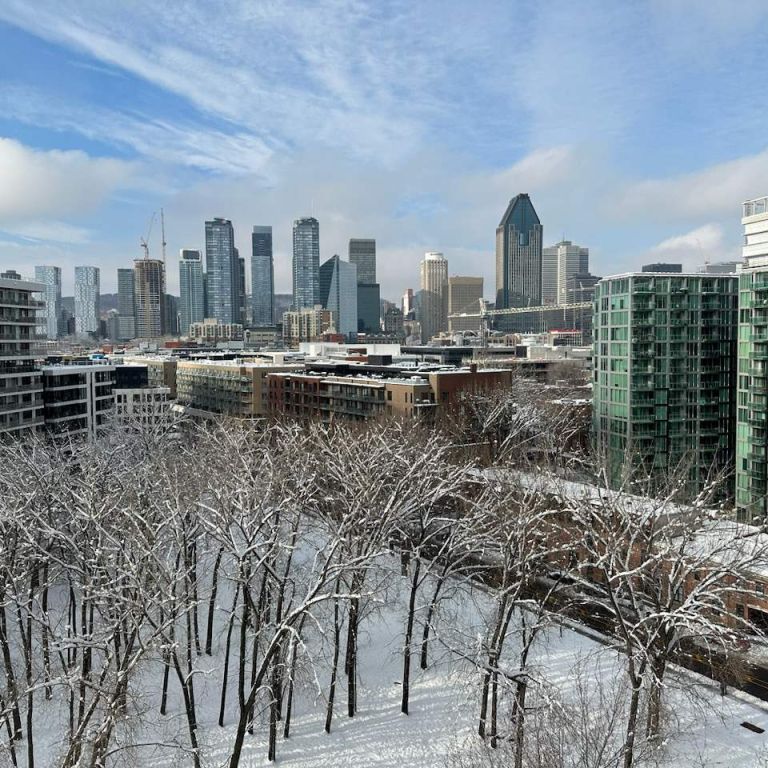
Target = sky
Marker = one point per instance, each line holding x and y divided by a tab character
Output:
638	128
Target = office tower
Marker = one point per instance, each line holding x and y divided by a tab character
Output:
222	271
393	322
664	384
362	253
21	388
306	263
518	255
126	304
434	295
752	412
241	301
49	318
113	325
721	268
581	288
150	298
559	263
171	315
408	303
661	266
87	300
191	288
338	293
262	277
369	308
464	295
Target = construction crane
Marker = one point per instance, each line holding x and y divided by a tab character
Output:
145	240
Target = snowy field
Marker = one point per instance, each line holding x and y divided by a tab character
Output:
701	727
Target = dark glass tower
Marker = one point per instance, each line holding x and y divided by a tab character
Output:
262	277
222	271
518	255
306	263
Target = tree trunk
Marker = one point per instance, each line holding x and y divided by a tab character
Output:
406	687
46	639
291	679
212	602
335	664
10	677
634	706
428	622
223	703
653	725
351	656
520	693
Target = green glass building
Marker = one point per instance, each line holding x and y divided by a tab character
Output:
752	409
665	375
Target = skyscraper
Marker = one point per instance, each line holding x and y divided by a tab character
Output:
192	289
126	304
434	295
362	253
222	271
241	301
518	255
49	318
338	292
262	277
150	298
464	294
306	263
558	264
87	281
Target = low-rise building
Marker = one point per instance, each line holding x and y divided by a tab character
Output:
212	331
306	325
78	398
161	370
228	387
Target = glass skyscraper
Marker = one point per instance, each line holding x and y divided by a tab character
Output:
126	304
518	255
262	277
222	270
192	289
49	318
87	300
306	263
338	292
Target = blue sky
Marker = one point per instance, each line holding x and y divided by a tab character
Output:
637	127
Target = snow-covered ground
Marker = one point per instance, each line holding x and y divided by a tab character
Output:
701	727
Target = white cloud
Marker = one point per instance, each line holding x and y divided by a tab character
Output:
692	249
38	185
717	190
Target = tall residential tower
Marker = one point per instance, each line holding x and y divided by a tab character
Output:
306	263
191	289
49	318
222	271
262	277
87	281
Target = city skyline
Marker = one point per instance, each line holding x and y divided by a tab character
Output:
104	124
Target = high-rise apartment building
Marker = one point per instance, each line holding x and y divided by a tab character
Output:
191	288
21	388
87	280
338	293
241	288
262	277
150	298
664	386
464	295
434	295
126	304
362	253
171	315
49	318
518	255
752	409
408	303
558	264
222	271
306	325
306	263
